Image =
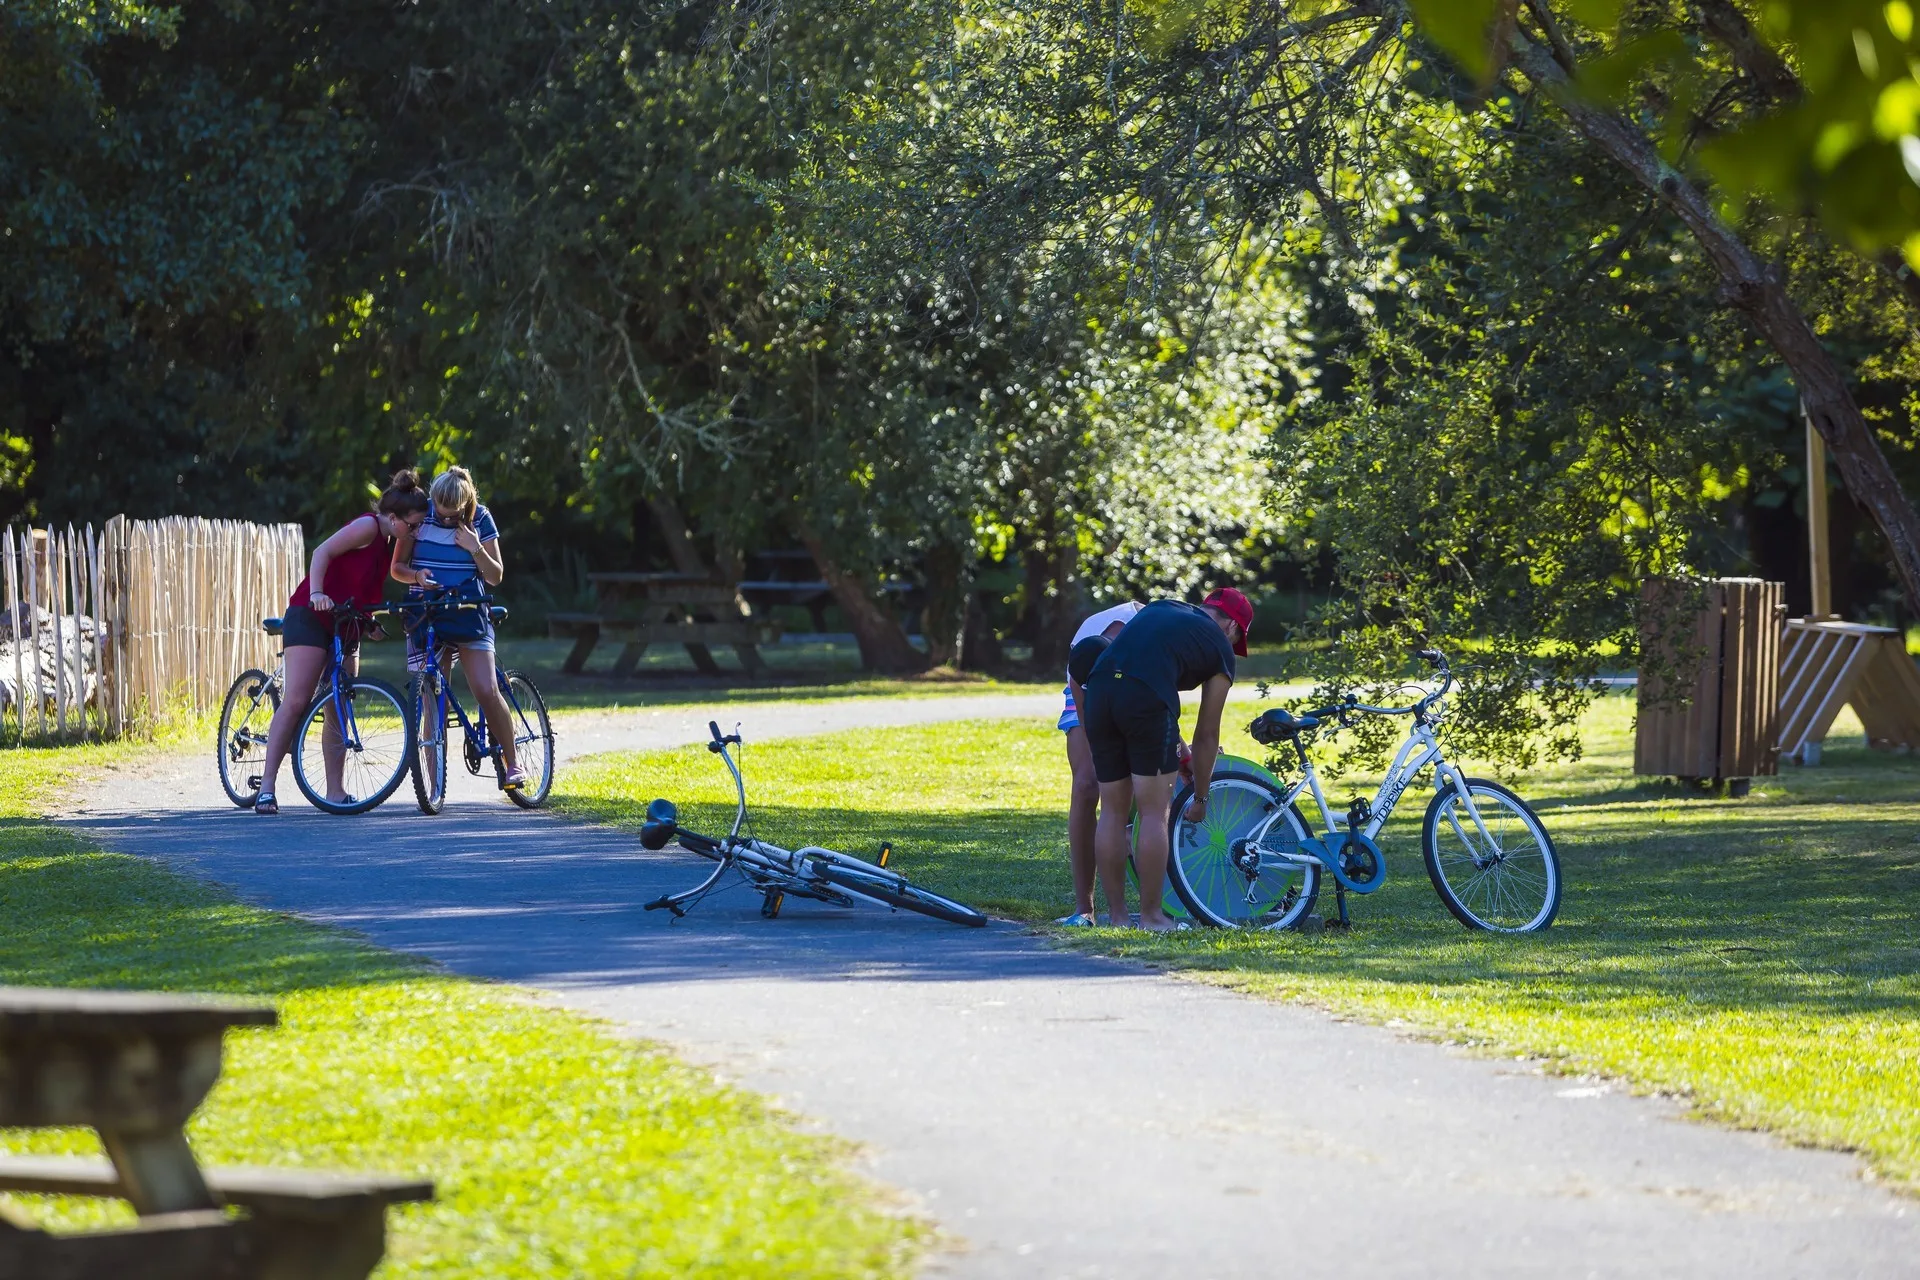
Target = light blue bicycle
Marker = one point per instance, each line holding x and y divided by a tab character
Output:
1253	863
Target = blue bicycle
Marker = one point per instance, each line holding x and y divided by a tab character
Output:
354	737
436	710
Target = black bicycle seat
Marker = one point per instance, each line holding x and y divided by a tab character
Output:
270	625
1280	725
498	613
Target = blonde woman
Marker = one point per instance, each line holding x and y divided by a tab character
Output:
459	547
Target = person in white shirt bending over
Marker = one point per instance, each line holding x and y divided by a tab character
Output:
1083	810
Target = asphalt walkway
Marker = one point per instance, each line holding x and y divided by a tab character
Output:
1058	1115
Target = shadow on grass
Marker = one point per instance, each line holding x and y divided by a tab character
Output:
71	916
1754	909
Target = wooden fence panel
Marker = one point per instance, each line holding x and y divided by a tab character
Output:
136	622
1726	725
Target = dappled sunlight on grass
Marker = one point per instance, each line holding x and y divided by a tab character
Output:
1760	955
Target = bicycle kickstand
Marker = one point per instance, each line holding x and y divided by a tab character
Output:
1340	896
669	904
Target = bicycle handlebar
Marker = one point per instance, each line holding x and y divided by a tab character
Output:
1345	708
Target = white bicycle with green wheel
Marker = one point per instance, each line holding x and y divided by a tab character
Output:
1253	863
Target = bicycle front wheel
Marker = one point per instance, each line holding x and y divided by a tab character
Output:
884	886
428	760
1225	881
241	750
370	743
532	739
1500	873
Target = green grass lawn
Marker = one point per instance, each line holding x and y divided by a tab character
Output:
1759	956
795	673
559	1149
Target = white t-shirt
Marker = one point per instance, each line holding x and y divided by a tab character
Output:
1105	618
1095	625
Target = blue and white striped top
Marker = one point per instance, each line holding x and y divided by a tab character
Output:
435	550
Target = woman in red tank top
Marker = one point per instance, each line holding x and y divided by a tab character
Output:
348	568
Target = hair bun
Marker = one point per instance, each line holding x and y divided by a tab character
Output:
405	480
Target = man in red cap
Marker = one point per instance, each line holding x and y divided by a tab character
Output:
1131	713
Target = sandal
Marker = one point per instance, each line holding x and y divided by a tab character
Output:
1078	920
266	802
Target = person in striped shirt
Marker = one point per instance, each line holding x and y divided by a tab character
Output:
459	547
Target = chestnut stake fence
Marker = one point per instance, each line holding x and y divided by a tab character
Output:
140	622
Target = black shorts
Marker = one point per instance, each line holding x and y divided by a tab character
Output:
1130	731
302	626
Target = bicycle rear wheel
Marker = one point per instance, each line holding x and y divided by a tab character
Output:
532	739
241	749
378	740
1505	879
427	762
885	886
1201	856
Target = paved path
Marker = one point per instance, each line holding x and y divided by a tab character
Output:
1061	1115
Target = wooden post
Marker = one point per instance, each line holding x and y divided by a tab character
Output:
1818	564
19	640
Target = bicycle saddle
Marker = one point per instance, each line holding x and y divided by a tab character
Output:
498	613
270	625
1280	725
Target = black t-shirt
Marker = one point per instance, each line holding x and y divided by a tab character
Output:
1168	646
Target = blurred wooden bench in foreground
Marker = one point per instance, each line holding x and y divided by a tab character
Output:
133	1067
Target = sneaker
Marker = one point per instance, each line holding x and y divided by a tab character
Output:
513	780
1078	920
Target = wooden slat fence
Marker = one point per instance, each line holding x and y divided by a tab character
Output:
1724	726
139	622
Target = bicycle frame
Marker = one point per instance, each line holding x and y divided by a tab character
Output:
1365	819
473	729
766	866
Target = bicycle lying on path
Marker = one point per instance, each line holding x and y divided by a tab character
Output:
821	874
1252	863
359	722
436	709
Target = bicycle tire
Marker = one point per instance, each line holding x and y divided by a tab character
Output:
427	762
1200	868
249	689
532	739
384	726
884	886
1519	885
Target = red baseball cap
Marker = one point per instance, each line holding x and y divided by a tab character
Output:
1235	606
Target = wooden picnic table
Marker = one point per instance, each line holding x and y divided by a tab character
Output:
642	609
133	1067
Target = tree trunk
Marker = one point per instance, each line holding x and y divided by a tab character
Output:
1748	285
1053	602
883	642
980	645
944	618
680	544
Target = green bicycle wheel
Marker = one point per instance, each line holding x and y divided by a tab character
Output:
1222	879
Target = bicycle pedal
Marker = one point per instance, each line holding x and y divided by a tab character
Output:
254	780
886	852
771	903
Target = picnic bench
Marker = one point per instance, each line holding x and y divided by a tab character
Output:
642	609
787	577
133	1067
